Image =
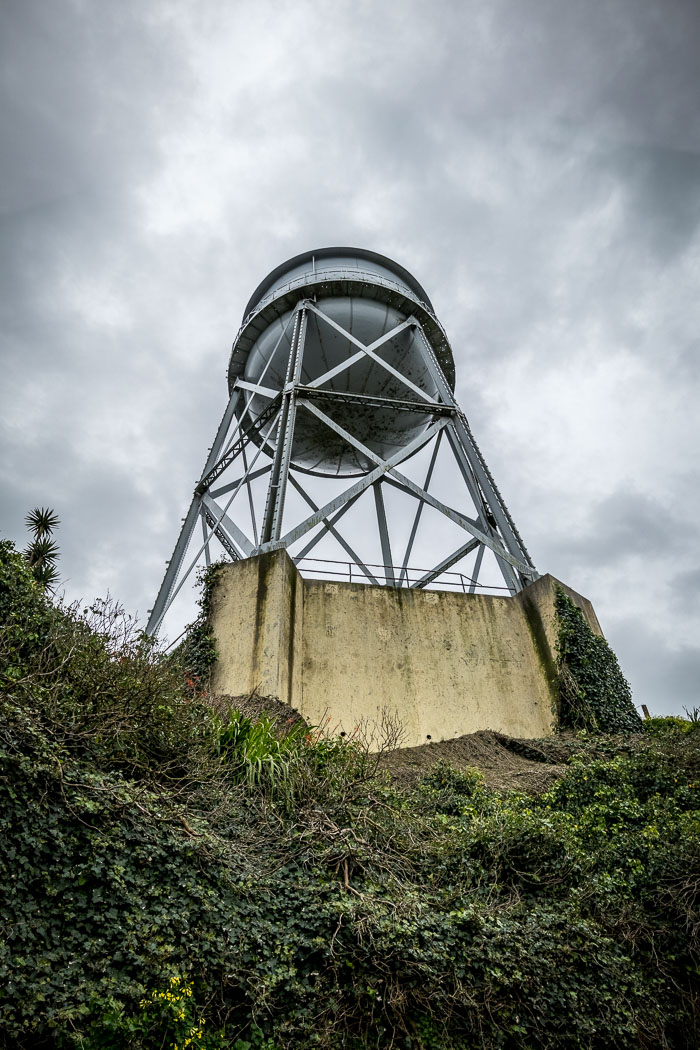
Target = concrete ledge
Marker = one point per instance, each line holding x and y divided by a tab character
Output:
443	663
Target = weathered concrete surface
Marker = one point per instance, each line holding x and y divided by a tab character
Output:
257	619
443	663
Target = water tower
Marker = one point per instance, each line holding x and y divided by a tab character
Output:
339	377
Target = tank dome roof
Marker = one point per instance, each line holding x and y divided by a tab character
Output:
352	258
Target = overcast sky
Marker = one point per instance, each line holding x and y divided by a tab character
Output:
535	164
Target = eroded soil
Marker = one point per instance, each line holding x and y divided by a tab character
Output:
507	764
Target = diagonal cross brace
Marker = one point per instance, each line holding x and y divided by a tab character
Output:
223	521
368	351
464	446
419	508
235	450
445	564
169	589
460	519
330	527
250	475
211	528
344	497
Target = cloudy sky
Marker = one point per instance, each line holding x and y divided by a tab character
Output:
536	165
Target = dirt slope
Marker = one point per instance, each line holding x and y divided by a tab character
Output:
506	764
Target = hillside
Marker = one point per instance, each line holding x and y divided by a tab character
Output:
177	874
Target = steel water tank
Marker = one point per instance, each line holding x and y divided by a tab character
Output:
367	295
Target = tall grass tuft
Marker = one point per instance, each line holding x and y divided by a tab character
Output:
257	752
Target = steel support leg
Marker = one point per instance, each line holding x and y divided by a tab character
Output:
477	568
475	465
205	535
173	570
389	577
276	493
175	564
419	509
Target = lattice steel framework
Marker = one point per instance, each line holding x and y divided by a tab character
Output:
254	443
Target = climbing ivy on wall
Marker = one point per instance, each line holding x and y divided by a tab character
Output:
198	650
593	692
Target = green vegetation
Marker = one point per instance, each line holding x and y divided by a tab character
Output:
594	694
172	878
197	652
43	553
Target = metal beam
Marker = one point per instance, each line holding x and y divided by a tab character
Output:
251	503
360	486
216	450
247	476
493	499
170	597
445	564
389	577
205	534
213	528
460	519
277	489
173	569
265	391
235	449
222	431
354	358
329	523
507	527
238	381
347	397
476	569
489	522
319	535
363	347
222	519
369	352
469	478
175	564
491	509
419	508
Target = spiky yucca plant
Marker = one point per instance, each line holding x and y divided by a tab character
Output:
43	552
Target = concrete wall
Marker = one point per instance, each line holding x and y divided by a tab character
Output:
444	663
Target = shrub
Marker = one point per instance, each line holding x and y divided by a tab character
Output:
666	725
594	694
150	847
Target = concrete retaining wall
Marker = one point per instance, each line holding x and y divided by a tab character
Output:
443	663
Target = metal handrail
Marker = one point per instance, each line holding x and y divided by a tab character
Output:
343	274
310	278
398	573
